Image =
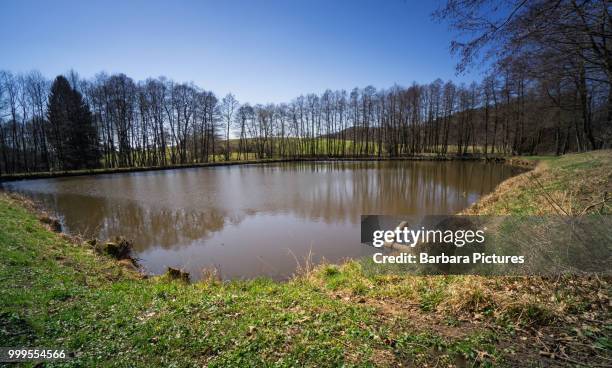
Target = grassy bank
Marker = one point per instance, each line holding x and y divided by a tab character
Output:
58	293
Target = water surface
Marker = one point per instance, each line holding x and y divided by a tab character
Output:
257	220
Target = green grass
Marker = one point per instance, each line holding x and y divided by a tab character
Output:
58	294
425	348
562	185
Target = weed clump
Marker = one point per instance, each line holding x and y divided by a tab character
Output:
331	270
177	274
52	222
530	314
119	248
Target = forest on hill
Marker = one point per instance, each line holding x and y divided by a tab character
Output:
547	90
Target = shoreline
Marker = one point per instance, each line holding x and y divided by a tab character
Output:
61	174
91	300
42	213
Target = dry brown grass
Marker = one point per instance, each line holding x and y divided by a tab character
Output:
548	321
569	186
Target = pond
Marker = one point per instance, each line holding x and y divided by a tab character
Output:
257	220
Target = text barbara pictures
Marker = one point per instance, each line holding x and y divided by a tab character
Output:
412	237
425	258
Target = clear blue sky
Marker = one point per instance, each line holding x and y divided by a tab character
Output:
262	51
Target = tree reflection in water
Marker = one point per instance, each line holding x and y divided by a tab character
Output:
243	219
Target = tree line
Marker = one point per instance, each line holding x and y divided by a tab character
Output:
548	90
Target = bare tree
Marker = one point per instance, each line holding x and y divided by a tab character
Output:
229	104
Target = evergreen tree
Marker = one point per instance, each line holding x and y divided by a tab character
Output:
71	132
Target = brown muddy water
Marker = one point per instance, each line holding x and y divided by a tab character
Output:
257	220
